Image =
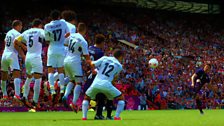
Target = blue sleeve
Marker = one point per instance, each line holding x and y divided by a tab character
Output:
199	71
101	54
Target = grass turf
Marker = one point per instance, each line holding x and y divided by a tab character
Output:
129	118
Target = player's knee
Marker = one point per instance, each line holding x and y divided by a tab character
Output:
66	80
87	98
109	104
50	69
16	74
29	76
4	75
85	103
121	97
79	83
121	102
61	70
72	81
37	75
37	85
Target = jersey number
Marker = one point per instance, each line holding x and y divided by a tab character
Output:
8	40
30	43
107	69
71	45
57	34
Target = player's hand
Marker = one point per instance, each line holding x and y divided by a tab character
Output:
94	72
67	35
88	61
192	85
24	58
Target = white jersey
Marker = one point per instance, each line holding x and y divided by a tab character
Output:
72	30
33	38
57	30
77	45
71	27
9	42
108	67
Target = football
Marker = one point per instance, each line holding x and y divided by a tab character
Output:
153	63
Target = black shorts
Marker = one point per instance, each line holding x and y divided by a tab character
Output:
197	89
88	82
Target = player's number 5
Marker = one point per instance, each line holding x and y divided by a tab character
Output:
30	43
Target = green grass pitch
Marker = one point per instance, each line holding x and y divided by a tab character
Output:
129	118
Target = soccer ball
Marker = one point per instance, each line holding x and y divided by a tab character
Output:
32	110
153	63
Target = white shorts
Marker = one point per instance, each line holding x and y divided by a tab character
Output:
9	61
102	86
34	65
55	60
73	70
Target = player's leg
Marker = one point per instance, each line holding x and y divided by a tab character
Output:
37	71
27	86
51	79
37	84
109	107
77	89
17	80
113	92
100	100
199	103
120	107
197	97
61	75
14	65
56	76
28	79
76	93
71	81
68	90
4	78
90	94
4	75
51	63
85	106
77	73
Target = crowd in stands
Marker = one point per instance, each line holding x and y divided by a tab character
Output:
181	43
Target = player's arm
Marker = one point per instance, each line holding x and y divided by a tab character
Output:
67	32
115	79
42	37
193	77
94	64
116	76
66	41
19	46
49	36
91	64
85	52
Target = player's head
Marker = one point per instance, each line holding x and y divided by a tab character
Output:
37	23
69	16
99	40
207	68
55	14
118	54
17	24
82	28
